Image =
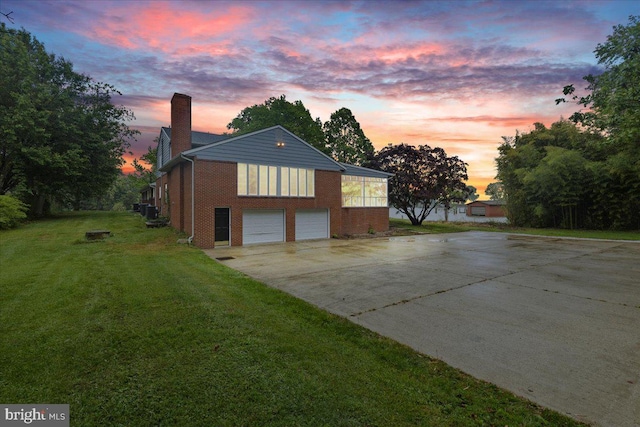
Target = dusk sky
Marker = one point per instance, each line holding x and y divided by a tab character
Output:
457	75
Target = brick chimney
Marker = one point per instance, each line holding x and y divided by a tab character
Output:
180	123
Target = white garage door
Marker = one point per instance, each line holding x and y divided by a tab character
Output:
312	224
262	226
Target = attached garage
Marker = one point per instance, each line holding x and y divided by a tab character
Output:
312	224
262	226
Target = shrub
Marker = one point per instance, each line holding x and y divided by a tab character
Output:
12	211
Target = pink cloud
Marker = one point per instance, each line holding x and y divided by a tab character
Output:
170	27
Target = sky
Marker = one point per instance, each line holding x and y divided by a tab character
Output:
453	74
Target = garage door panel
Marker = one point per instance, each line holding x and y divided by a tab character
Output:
262	226
312	224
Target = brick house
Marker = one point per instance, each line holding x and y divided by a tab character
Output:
264	186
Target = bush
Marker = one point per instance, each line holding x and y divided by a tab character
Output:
12	211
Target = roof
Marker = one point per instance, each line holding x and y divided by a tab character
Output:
489	202
362	171
201	138
274	146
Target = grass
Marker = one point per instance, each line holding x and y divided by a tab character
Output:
456	227
137	330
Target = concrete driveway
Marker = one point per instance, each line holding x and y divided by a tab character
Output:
554	320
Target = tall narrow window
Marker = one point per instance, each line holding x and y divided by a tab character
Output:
284	181
263	179
293	182
253	180
242	179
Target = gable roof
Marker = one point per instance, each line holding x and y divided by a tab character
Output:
274	146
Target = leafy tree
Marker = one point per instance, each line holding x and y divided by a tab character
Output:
423	177
147	173
495	191
345	139
556	177
61	138
612	107
614	100
278	111
471	193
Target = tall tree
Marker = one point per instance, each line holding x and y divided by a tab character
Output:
423	177
150	158
612	106
60	136
495	191
293	116
345	139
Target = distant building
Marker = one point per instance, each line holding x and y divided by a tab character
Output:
461	213
486	208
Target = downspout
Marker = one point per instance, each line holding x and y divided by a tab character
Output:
193	200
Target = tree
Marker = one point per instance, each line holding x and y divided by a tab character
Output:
423	177
495	191
614	102
278	111
147	173
559	177
345	139
612	107
61	138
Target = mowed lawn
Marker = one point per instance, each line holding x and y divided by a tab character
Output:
137	330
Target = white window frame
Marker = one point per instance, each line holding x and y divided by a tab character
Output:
274	181
364	197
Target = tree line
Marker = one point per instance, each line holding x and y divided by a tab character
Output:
62	140
583	172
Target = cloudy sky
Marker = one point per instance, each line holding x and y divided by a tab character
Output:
453	74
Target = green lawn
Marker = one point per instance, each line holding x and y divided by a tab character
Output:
137	330
455	227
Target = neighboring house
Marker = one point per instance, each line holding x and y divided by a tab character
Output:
264	186
486	208
457	213
148	194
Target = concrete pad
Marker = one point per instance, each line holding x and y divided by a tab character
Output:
554	320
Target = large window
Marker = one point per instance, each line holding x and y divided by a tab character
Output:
275	181
362	191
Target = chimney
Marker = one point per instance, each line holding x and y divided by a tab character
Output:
180	123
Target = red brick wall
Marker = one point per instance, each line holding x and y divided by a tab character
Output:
492	211
361	220
216	187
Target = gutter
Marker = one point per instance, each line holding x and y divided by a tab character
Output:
193	200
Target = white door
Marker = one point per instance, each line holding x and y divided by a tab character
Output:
312	224
262	226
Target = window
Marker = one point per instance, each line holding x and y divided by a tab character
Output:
275	181
362	191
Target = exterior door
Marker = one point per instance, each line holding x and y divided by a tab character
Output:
222	222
